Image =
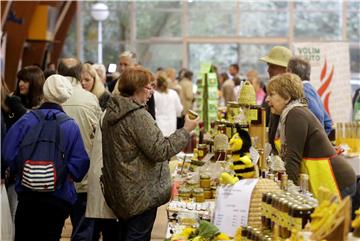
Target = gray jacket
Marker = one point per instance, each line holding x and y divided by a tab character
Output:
136	175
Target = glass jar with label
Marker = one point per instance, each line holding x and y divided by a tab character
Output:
192	184
244	232
207	193
232	109
296	217
213	191
198	194
205	181
284	182
284	208
184	194
264	211
202	151
195	154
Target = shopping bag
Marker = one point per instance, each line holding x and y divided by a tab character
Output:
7	224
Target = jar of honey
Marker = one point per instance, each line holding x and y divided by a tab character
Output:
202	151
198	194
205	181
207	193
244	232
192	184
195	154
264	211
184	194
233	109
213	191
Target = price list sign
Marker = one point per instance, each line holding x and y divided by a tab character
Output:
232	205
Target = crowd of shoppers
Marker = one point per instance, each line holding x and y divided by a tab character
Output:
123	132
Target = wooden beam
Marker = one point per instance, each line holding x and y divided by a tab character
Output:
56	4
62	15
63	28
5	7
16	36
34	53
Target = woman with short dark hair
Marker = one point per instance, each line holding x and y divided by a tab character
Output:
136	175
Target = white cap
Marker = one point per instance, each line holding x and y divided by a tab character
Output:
57	89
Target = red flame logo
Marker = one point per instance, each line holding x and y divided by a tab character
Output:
325	85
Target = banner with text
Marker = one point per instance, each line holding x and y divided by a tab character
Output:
330	75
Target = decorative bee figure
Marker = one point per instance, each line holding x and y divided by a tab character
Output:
242	164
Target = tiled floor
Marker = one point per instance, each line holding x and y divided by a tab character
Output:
160	226
158	233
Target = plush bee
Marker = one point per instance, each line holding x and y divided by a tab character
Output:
240	145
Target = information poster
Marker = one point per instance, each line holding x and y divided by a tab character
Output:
330	75
232	205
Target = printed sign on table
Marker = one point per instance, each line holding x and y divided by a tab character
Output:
232	205
330	75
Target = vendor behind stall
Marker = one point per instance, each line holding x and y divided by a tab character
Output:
305	147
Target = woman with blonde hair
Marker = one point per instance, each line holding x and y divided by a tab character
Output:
254	79
305	147
91	82
171	77
167	106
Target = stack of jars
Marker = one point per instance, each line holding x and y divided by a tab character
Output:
287	210
200	191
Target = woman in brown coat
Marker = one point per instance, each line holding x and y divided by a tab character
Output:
305	147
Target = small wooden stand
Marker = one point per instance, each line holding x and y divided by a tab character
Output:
258	128
339	229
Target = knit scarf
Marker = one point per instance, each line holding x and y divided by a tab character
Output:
292	104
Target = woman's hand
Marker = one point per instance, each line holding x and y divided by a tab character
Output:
190	124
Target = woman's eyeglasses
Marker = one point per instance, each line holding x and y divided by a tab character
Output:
150	86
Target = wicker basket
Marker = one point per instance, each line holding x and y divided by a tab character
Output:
263	186
247	94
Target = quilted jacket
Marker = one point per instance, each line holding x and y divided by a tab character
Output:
136	175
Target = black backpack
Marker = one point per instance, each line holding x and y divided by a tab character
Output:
42	157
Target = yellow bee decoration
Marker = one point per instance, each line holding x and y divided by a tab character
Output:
240	145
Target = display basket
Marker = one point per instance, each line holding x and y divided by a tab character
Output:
247	94
263	186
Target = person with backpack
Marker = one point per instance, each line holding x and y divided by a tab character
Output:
45	150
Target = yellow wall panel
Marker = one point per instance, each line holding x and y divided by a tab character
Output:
38	29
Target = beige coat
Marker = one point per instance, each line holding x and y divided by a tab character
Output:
84	108
96	206
227	90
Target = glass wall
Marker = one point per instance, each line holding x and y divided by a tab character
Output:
186	33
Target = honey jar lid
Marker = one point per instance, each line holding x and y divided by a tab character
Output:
233	104
198	190
204	176
202	146
184	190
191	182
